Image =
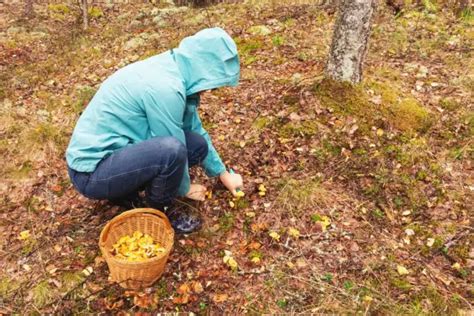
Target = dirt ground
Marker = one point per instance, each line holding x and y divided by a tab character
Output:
369	189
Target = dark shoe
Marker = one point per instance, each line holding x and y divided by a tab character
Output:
131	203
184	220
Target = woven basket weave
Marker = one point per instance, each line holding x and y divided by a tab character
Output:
134	275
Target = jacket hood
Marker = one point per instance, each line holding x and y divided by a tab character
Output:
208	60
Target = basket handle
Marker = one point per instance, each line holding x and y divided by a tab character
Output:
124	215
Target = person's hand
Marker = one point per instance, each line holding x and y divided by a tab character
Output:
232	181
196	192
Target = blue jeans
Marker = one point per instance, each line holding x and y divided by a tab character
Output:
155	165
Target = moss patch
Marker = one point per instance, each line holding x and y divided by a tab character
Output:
404	114
42	294
409	115
305	128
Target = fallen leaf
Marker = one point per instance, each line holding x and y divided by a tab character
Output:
257	227
430	242
376	99
219	298
184	289
294	117
145	300
406	213
197	287
301	263
255	245
409	232
182	299
274	235
402	270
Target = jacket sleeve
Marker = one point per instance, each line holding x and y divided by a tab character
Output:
212	164
166	121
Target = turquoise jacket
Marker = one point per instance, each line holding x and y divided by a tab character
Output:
156	97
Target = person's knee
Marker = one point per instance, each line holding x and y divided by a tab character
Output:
201	146
197	145
173	148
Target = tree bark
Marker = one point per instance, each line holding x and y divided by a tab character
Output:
85	19
29	8
350	40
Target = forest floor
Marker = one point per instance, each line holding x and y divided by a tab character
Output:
369	188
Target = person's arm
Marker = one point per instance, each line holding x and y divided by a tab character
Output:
212	164
163	115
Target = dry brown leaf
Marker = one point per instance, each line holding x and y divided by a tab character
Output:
145	300
184	289
255	245
183	299
219	298
197	287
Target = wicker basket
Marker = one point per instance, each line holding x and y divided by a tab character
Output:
133	275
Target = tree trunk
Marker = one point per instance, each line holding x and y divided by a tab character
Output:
29	8
85	20
350	40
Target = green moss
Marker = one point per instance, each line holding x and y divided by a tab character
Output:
42	294
469	120
278	40
305	128
226	221
401	284
291	99
449	104
248	46
467	15
342	96
261	122
59	8
405	114
47	132
7	288
83	95
28	246
95	12
299	195
22	172
377	214
461	250
388	94
409	115
255	254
